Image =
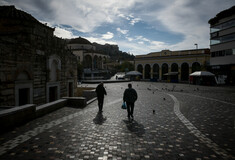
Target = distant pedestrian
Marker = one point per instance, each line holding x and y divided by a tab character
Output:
100	91
130	96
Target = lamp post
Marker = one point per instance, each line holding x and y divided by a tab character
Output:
196	45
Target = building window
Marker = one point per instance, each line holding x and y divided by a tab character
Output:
227	38
227	52
222	26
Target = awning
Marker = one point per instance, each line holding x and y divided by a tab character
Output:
201	73
133	73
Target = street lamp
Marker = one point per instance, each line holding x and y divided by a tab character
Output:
196	45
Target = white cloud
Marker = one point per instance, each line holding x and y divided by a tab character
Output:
62	33
129	38
134	21
122	31
187	18
157	45
184	17
84	16
108	35
100	41
140	42
142	38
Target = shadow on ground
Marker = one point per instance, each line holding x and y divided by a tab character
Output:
99	119
135	127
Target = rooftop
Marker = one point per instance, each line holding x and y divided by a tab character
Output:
222	14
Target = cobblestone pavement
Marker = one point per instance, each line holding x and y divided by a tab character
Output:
189	122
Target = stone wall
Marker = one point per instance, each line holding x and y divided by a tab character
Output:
26	48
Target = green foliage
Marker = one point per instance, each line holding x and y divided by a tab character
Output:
126	66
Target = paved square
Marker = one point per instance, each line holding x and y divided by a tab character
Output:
189	122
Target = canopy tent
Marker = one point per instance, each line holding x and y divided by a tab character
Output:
133	73
201	73
202	78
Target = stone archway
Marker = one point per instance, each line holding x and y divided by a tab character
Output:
196	67
184	72
140	69
95	62
156	71
87	63
100	63
54	71
147	70
53	86
174	68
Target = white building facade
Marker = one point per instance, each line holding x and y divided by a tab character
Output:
222	45
93	62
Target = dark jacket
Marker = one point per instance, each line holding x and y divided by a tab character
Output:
100	91
130	95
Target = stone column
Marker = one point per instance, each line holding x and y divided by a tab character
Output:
160	73
190	70
169	77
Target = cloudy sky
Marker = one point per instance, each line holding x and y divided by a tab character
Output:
136	26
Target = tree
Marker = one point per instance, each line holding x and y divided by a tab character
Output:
126	66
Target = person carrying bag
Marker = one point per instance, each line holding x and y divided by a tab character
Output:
130	96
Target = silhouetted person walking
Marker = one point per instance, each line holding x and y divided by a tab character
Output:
100	91
130	96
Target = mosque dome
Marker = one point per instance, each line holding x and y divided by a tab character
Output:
79	40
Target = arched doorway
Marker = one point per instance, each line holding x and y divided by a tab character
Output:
87	63
95	62
196	67
140	69
147	71
156	71
100	63
184	72
53	86
174	69
164	71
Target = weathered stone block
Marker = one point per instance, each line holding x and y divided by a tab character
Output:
15	116
49	107
7	92
89	94
77	102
